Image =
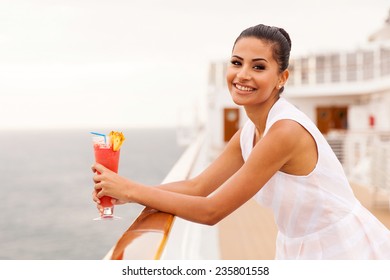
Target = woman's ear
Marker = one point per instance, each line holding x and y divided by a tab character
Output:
283	77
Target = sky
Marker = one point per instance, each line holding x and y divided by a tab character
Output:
143	63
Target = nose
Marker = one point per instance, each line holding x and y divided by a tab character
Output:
243	74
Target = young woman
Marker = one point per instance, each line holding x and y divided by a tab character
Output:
279	157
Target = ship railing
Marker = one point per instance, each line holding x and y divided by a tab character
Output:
363	64
366	160
147	236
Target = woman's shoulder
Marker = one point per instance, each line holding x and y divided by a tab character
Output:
284	110
287	131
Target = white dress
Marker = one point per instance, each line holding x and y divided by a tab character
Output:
317	215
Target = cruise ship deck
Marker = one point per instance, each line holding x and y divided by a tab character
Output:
250	232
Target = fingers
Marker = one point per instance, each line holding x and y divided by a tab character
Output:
100	181
100	208
94	197
97	178
114	201
97	200
99	192
97	167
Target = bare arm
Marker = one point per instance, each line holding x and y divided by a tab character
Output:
279	147
229	161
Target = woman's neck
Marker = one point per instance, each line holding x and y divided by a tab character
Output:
258	113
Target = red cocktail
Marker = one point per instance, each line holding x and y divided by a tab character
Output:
109	158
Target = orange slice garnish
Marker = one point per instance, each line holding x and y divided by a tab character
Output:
116	139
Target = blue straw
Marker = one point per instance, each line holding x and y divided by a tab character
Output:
100	134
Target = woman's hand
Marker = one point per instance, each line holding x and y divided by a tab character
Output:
109	183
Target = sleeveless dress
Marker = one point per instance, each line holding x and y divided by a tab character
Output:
317	215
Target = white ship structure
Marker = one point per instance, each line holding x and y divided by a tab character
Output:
346	93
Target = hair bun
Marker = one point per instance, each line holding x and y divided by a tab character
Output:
285	35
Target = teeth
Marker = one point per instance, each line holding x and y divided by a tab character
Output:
243	88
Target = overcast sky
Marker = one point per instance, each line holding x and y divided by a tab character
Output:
121	63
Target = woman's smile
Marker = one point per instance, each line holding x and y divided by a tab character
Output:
244	89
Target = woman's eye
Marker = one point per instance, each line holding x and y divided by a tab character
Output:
235	62
259	67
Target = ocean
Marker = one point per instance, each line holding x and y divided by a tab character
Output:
46	185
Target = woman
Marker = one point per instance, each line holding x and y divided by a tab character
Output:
279	157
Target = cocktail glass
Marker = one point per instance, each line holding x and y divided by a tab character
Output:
106	156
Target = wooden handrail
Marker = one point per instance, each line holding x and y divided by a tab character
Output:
145	239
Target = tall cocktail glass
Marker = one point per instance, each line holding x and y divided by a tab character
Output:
106	156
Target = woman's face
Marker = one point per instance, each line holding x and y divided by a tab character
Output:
253	74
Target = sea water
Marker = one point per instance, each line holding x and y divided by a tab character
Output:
46	185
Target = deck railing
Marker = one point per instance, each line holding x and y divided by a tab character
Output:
145	239
365	156
364	64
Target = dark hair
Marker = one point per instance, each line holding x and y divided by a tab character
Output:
277	37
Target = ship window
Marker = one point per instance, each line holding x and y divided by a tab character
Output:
385	61
305	71
351	67
368	65
320	69
291	69
335	68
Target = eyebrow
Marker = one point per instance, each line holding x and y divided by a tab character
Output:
254	60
